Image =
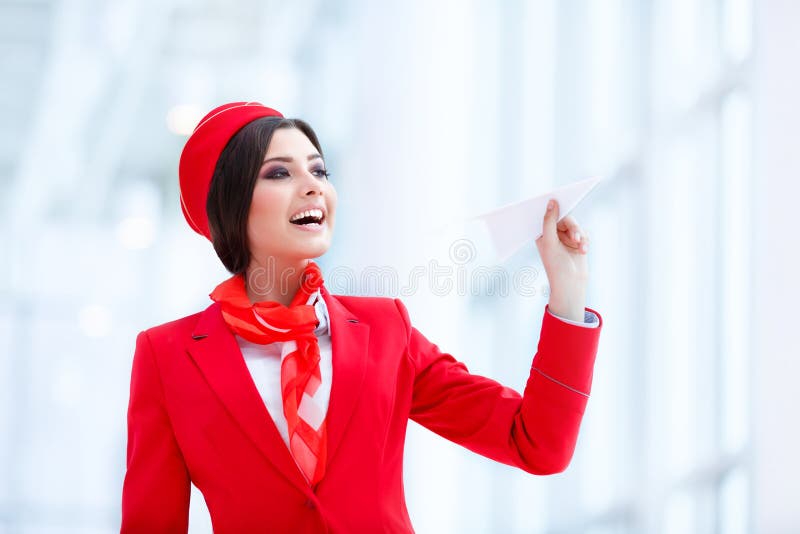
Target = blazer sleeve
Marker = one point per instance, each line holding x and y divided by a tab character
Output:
156	490
536	431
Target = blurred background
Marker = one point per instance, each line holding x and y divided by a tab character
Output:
428	113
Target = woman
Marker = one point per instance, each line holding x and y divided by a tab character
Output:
286	405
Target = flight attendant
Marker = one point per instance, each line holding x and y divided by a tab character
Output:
286	405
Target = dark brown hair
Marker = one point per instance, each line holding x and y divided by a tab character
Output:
231	189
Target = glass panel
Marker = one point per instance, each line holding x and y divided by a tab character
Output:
608	452
685	54
608	529
679	515
734	503
737	28
608	107
679	288
735	271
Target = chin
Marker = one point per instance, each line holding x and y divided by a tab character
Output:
313	251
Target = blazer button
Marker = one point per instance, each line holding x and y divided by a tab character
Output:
310	504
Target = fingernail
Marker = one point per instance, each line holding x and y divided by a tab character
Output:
577	236
585	247
549	205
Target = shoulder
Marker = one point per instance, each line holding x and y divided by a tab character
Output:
382	310
176	329
361	304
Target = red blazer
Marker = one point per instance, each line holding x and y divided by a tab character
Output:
195	415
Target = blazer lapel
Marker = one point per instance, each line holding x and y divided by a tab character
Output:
214	349
350	345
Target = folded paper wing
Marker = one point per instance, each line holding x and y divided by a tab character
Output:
510	227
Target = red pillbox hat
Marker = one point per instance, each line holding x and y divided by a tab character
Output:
202	150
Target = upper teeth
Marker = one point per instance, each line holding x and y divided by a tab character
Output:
308	213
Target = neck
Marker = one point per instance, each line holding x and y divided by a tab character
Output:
276	279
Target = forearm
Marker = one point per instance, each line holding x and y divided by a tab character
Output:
568	302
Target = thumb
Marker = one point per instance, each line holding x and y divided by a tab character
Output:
549	229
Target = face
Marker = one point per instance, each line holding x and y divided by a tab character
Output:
292	180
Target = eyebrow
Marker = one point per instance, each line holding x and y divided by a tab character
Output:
287	159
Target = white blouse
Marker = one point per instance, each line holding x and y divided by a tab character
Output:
264	363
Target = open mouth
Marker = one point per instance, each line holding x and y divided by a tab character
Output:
314	218
308	220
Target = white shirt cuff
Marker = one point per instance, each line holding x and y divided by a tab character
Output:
590	320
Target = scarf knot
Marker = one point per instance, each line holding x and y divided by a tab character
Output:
269	321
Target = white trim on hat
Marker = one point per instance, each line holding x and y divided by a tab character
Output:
188	214
224	110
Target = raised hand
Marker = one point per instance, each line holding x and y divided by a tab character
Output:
563	248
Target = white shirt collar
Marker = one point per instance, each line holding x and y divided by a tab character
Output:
322	313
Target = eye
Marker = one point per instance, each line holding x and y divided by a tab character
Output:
277	173
319	173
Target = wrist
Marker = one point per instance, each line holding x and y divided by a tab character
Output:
569	307
572	315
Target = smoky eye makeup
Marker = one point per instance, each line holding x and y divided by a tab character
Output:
320	172
282	172
277	172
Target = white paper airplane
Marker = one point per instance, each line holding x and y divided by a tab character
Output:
510	227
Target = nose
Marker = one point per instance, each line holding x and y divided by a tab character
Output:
310	184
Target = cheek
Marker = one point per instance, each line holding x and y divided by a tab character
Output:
266	213
265	207
332	200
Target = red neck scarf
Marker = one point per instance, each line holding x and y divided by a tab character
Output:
270	321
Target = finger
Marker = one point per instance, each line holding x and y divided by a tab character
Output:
581	245
565	237
568	221
549	225
571	229
584	246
